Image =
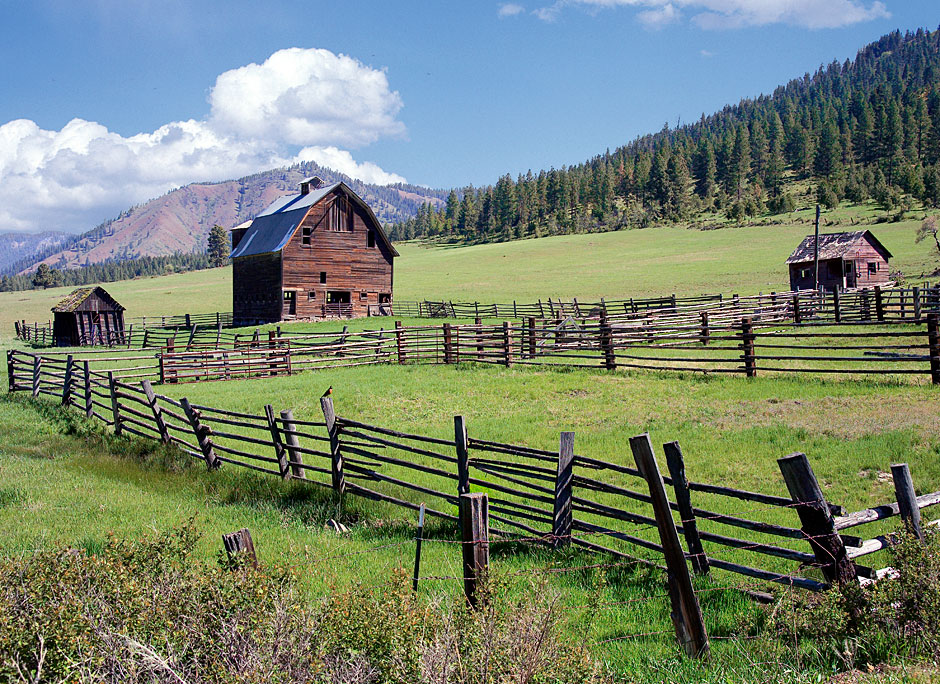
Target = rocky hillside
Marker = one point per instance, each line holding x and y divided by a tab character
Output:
180	220
27	248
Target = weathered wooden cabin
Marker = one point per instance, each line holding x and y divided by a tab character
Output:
88	316
846	260
321	253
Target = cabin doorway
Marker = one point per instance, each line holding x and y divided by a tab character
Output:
290	303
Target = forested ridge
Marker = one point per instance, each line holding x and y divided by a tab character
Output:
868	128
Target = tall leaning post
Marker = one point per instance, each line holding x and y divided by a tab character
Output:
156	410
816	519
462	447
680	485
89	397
563	519
933	339
293	445
336	455
279	452
37	373
202	433
907	499
475	543
686	611
67	381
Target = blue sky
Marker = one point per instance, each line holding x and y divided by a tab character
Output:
107	103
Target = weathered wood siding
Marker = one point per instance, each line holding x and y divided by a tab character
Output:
856	273
94	321
862	255
256	289
346	258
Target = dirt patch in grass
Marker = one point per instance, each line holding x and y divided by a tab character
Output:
841	417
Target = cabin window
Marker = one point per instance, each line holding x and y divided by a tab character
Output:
306	235
804	272
311	295
341	215
872	267
363	296
322	277
371	239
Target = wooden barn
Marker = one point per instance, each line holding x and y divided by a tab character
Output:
88	316
321	253
846	260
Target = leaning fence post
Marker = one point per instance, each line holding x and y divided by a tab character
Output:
67	382
475	542
336	456
747	347
907	499
461	444
293	445
157	411
37	370
816	519
115	404
933	341
279	453
686	612
202	433
680	485
89	398
562	519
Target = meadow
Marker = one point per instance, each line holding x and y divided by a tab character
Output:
65	481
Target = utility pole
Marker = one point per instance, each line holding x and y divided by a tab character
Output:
816	252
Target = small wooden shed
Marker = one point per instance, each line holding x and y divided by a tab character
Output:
846	260
88	316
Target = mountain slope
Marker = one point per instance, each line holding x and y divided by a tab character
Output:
180	220
26	248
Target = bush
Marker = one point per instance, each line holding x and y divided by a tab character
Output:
148	611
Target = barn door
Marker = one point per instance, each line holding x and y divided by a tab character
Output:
290	303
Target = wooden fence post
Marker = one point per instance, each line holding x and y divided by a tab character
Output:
864	306
279	453
11	372
836	305
461	444
448	344
907	499
419	537
933	340
797	314
916	297
293	445
401	351
532	345
115	404
157	411
237	543
202	433
475	542
686	612
680	485
336	456
879	304
37	370
562	519
507	344
607	343
67	382
705	334
455	343
89	398
816	518
747	347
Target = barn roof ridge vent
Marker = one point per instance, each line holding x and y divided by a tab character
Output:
311	183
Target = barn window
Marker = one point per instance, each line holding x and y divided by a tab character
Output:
306	235
804	272
872	267
341	215
311	295
363	296
322	277
371	239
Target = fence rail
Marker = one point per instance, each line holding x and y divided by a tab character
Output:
558	496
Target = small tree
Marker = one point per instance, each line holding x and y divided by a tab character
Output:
929	228
218	246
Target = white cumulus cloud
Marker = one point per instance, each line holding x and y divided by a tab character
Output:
73	178
509	9
725	14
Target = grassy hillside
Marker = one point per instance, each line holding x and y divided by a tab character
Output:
628	263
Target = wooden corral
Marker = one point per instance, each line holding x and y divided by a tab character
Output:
88	316
321	253
846	260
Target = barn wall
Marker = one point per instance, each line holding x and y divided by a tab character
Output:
256	289
349	263
861	256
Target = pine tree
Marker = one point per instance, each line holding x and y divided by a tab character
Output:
218	246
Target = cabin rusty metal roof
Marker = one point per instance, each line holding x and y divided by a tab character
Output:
273	228
833	246
78	296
